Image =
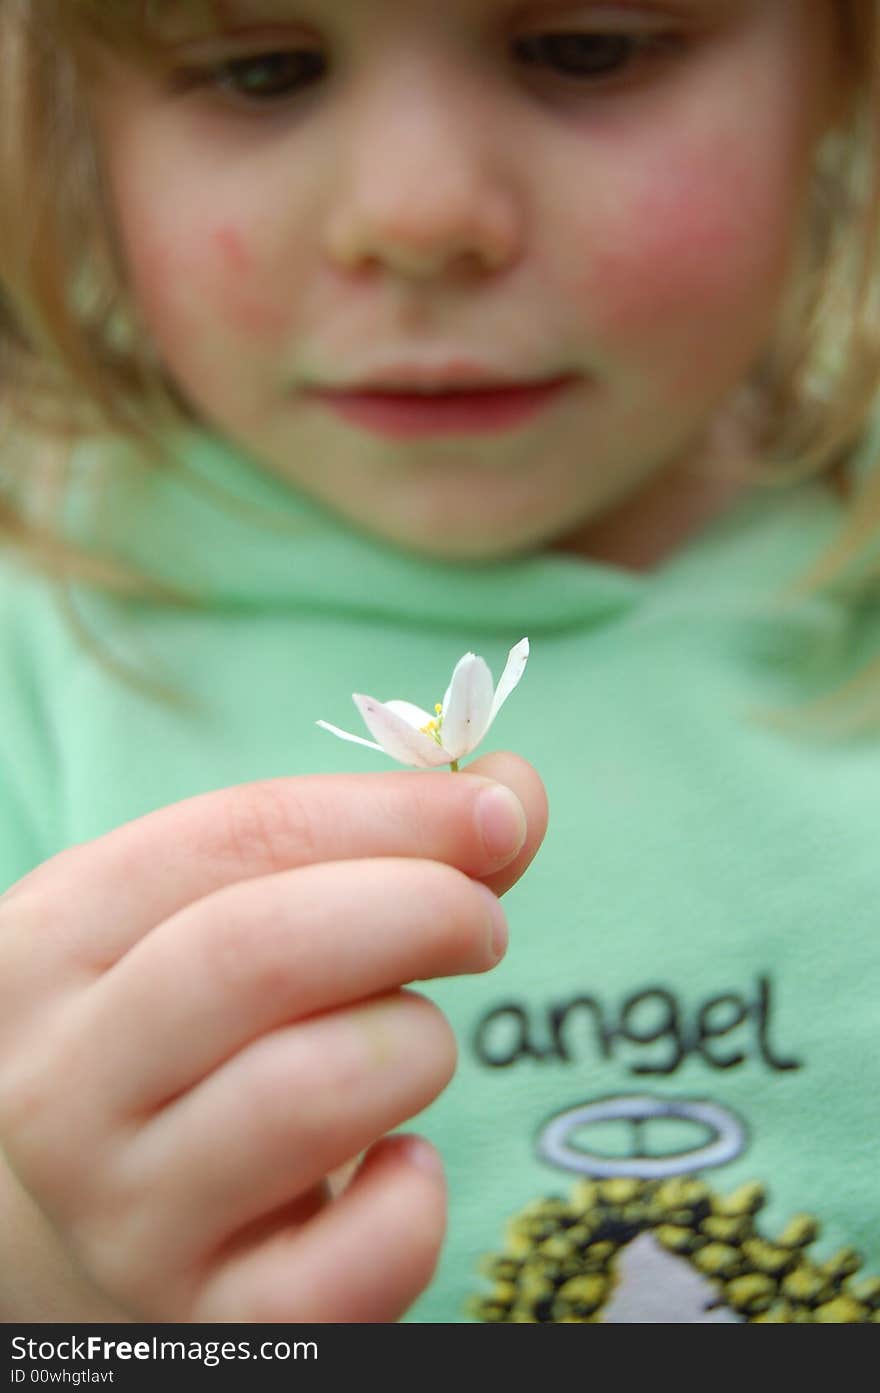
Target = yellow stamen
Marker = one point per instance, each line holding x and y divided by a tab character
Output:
434	727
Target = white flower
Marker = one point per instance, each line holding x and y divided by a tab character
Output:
413	736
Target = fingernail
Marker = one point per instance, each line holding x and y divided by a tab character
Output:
422	1154
498	934
501	820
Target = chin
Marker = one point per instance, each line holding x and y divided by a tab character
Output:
466	542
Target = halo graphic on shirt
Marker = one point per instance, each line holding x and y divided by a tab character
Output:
728	1137
641	1238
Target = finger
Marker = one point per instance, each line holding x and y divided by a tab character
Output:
91	903
523	780
265	953
365	1258
267	1126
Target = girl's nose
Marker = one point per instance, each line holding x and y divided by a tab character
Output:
420	189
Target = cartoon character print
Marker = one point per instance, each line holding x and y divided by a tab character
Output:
664	1247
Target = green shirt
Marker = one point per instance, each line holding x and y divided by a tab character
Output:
666	1105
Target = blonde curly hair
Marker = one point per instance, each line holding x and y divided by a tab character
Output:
73	362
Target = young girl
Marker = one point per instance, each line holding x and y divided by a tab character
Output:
338	341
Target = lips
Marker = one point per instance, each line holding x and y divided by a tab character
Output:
408	413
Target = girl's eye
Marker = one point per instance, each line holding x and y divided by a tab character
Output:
588	56
279	76
263	77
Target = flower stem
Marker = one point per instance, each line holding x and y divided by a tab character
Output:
453	767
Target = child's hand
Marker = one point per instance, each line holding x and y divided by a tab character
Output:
201	1017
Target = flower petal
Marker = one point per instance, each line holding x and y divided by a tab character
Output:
398	738
467	705
344	735
513	671
413	715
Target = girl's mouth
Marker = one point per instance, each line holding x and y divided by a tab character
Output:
398	415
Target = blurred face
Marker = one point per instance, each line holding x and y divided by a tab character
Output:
477	273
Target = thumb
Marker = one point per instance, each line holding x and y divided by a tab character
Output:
517	774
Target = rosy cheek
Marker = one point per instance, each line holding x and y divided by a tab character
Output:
232	249
188	280
679	260
246	297
157	272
